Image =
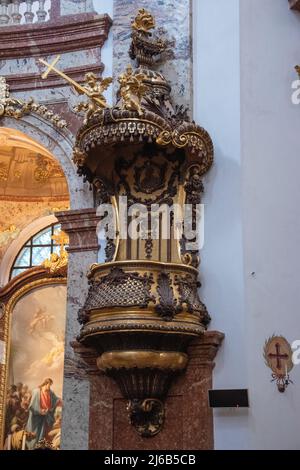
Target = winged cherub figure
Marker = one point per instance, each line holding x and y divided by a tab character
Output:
93	89
132	89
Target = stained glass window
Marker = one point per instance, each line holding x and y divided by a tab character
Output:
36	250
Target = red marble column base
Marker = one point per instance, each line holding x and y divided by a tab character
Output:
188	418
81	226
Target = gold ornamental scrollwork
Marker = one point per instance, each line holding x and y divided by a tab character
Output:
93	88
12	107
278	354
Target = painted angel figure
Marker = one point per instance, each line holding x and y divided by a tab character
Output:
132	89
94	89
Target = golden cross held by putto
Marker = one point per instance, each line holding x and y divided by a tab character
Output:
93	87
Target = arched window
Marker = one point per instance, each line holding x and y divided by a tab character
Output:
36	250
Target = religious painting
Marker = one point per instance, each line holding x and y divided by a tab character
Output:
35	371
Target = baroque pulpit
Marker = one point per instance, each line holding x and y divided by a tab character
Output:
144	332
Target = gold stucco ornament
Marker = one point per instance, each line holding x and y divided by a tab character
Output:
93	88
278	357
15	108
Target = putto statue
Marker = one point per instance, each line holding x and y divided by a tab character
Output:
145	47
57	265
93	89
132	90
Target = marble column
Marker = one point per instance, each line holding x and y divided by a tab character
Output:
80	225
174	18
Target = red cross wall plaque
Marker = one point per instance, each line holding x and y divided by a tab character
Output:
278	357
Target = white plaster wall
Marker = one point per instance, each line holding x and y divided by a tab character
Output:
217	108
270	123
244	57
